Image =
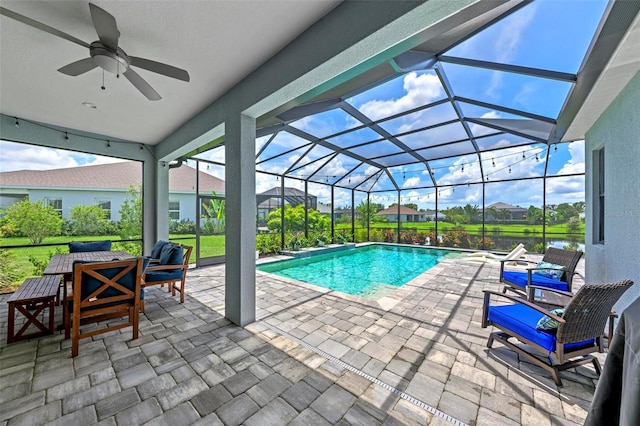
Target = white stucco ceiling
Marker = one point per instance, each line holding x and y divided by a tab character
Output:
217	42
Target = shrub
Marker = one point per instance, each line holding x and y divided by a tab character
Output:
34	220
184	226
268	243
459	239
408	237
10	273
87	220
484	243
388	236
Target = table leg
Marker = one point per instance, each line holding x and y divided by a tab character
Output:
11	323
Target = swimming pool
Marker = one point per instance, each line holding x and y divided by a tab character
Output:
363	271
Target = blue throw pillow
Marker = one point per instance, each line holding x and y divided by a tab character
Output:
157	249
549	324
171	255
551	270
80	247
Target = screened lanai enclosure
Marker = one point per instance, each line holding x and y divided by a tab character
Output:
458	142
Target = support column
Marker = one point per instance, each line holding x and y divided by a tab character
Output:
155	202
240	178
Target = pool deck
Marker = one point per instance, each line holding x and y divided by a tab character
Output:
314	356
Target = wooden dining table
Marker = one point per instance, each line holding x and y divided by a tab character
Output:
62	264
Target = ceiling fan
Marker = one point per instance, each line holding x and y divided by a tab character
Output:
105	53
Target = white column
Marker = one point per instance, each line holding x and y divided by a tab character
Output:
240	188
155	202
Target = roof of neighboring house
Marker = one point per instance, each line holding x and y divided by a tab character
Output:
500	205
403	210
107	176
277	191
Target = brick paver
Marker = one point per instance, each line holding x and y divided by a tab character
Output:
192	366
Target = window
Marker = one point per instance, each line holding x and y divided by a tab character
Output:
55	203
105	204
598	198
174	210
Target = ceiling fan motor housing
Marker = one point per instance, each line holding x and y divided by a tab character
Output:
116	62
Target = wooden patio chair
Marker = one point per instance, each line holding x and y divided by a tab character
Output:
579	331
171	269
557	274
101	291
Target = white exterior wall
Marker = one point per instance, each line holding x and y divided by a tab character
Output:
71	198
617	130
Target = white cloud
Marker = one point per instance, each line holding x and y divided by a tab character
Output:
18	156
419	90
411	182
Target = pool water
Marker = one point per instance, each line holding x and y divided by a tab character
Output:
364	271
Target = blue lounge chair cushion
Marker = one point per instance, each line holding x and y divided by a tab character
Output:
550	270
80	247
522	320
171	254
157	249
520	279
163	276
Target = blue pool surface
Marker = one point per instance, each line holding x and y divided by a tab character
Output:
363	271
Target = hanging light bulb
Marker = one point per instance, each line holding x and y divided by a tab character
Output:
462	167
17	124
509	169
537	159
493	161
523	154
66	136
555	148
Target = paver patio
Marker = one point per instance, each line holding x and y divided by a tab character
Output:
314	356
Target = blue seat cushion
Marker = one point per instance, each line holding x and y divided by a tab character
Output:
171	254
522	320
157	249
161	276
80	247
520	279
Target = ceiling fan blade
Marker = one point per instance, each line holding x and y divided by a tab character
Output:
140	84
105	25
39	25
78	67
160	68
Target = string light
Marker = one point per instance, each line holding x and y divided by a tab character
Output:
509	169
17	123
108	144
493	161
537	159
523	155
66	136
462	167
555	148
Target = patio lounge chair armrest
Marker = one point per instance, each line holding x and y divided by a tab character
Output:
531	289
560	292
166	267
515	299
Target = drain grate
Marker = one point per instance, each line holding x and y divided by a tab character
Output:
387	386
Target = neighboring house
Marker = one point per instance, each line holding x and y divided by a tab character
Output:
406	214
430	215
514	212
105	185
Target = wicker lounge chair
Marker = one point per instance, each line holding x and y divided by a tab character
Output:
518	281
579	330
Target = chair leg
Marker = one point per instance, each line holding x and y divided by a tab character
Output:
596	365
490	341
142	306
66	321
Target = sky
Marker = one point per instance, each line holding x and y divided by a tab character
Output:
552	35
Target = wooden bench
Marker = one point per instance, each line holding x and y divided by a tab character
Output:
31	298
